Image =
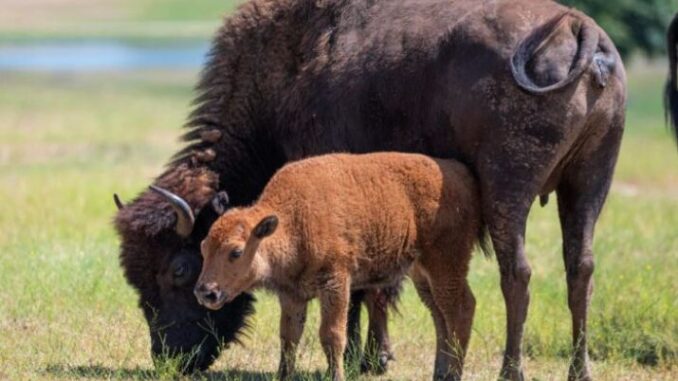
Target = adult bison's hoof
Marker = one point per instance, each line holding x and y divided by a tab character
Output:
511	374
579	368
376	364
579	374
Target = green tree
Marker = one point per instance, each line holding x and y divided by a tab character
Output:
633	25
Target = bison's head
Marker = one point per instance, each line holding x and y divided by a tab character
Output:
160	234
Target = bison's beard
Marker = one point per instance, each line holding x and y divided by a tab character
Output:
194	343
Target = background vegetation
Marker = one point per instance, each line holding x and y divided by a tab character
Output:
69	140
634	25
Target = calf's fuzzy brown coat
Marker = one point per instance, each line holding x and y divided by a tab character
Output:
329	224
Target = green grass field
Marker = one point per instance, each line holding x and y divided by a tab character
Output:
67	142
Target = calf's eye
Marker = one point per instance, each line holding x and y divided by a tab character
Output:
235	254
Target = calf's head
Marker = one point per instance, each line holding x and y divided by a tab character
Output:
231	264
161	259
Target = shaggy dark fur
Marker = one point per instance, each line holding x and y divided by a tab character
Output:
530	95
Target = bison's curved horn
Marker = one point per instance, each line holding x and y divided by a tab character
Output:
185	217
117	201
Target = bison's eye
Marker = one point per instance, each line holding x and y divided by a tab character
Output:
180	271
235	254
183	270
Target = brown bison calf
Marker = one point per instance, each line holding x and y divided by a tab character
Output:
345	222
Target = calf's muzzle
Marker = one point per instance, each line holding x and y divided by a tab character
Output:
209	295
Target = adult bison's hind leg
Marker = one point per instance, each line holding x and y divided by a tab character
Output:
508	235
581	194
508	189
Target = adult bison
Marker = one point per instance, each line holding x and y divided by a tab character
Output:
529	94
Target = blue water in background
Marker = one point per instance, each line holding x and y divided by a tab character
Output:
80	56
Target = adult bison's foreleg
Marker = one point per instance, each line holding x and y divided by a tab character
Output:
581	194
353	351
377	352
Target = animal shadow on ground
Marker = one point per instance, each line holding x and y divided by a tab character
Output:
137	373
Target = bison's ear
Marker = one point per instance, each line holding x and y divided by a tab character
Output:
220	202
266	227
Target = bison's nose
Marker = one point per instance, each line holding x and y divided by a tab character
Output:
209	295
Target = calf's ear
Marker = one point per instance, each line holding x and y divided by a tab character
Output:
265	227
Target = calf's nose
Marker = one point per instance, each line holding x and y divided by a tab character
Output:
208	294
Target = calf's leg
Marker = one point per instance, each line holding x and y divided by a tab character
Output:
334	302
292	320
456	302
441	364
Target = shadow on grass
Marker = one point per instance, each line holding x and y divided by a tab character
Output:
97	371
137	373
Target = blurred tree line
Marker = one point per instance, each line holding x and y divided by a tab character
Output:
634	25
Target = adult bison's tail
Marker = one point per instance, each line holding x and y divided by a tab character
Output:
484	240
588	38
671	90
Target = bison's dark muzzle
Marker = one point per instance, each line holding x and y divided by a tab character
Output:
194	344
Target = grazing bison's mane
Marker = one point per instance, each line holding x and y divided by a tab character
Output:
228	148
226	141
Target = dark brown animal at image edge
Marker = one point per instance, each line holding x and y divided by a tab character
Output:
463	79
332	223
671	88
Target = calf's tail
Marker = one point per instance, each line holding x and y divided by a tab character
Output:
671	89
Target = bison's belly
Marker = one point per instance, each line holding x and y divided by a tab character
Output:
382	269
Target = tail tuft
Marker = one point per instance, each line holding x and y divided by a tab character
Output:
484	241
